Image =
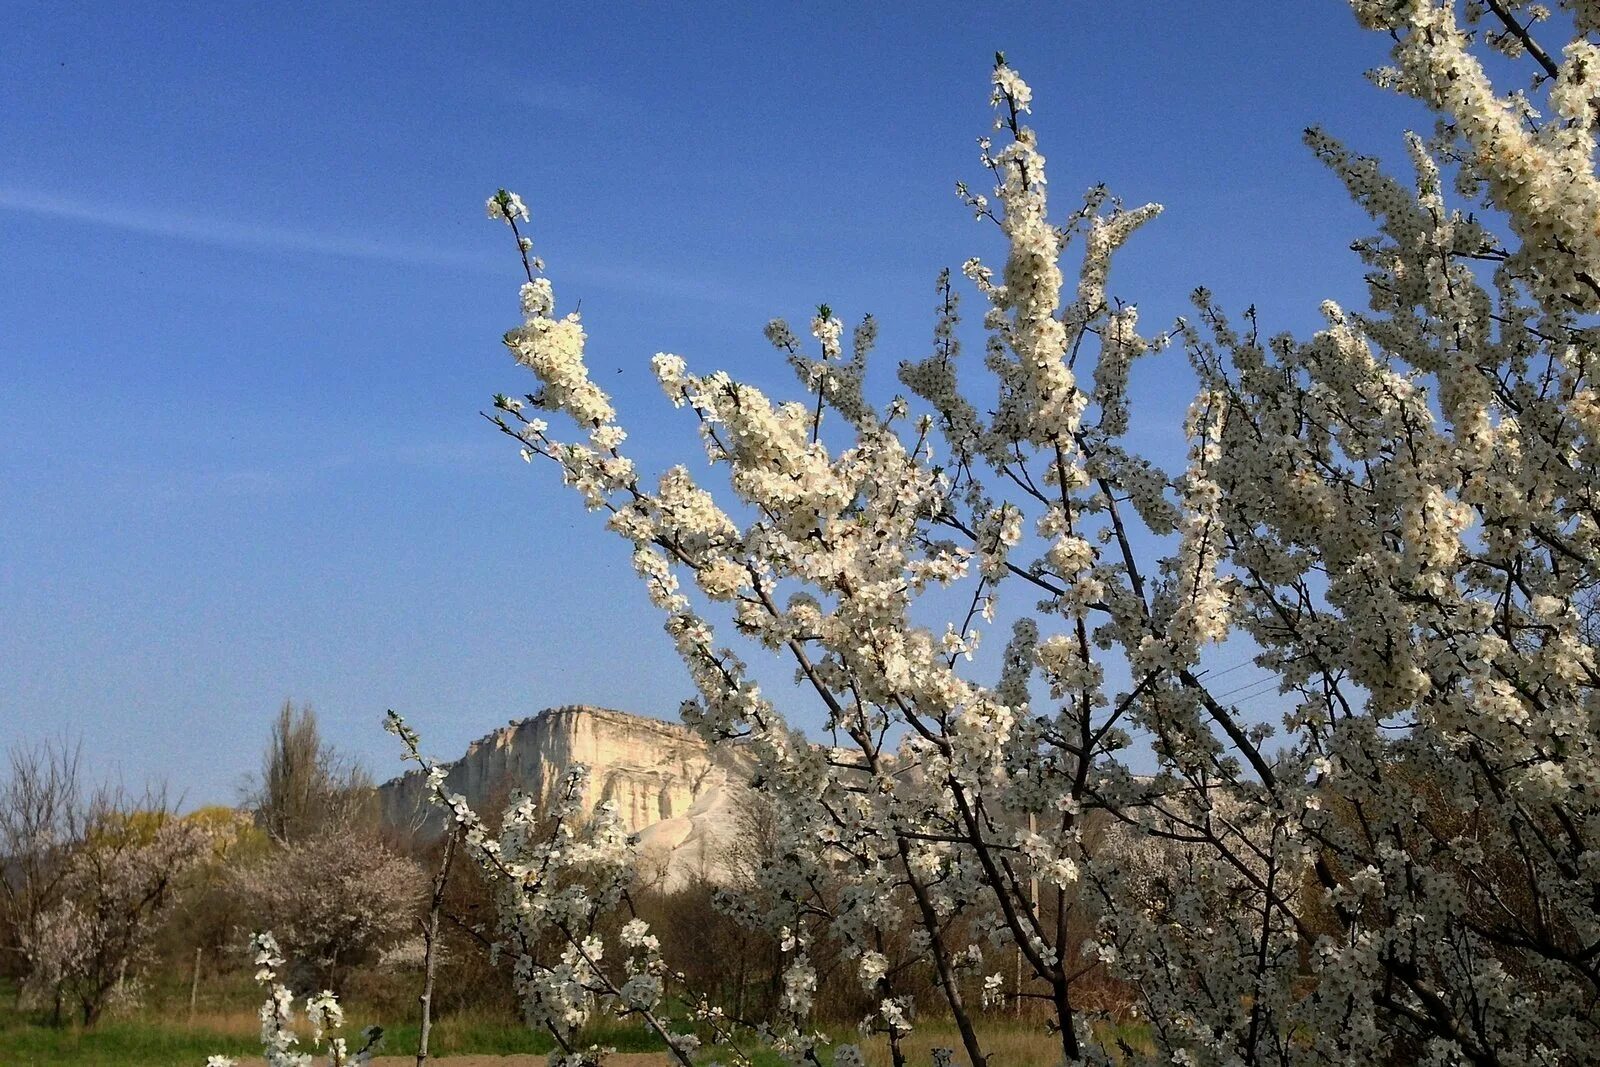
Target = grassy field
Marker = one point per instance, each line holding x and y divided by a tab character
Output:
170	1039
26	1041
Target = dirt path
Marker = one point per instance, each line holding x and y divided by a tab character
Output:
522	1059
619	1059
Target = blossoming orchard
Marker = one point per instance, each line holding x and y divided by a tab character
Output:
1397	517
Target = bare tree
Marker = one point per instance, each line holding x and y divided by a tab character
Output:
306	787
41	819
754	841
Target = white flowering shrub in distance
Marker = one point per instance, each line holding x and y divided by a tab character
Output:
1399	513
332	900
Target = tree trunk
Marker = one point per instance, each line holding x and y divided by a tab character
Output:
430	953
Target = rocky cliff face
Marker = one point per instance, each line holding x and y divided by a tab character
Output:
668	785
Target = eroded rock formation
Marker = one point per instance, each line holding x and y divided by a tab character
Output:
668	785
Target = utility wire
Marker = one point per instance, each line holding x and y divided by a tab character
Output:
1259	683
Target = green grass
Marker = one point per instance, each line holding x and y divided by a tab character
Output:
149	1040
160	1035
26	1040
115	1044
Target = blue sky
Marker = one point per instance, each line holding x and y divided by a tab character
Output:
250	308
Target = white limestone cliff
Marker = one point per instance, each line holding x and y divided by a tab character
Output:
668	785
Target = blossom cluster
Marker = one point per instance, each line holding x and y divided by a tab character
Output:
280	1045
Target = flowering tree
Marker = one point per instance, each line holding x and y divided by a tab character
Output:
119	882
1399	512
332	899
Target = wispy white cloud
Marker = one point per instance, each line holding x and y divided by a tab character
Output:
232	232
255	236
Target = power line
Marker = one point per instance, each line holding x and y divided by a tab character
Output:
1267	683
1210	675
